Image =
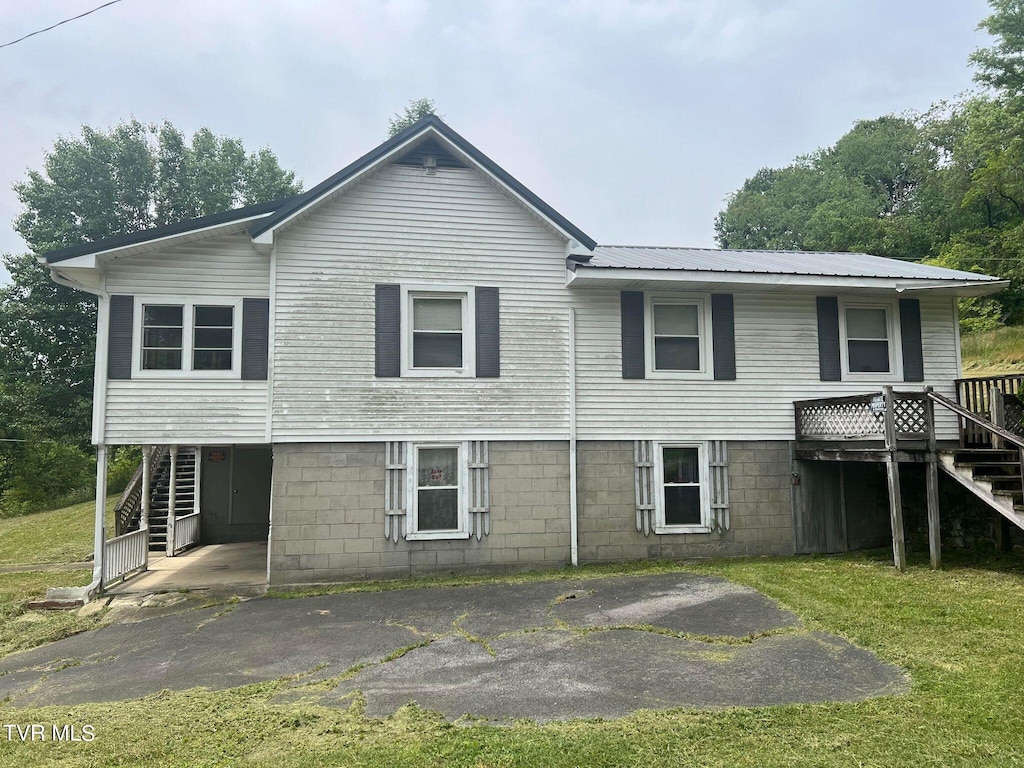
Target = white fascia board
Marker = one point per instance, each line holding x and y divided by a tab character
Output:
79	262
598	276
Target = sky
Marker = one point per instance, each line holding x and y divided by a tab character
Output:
635	120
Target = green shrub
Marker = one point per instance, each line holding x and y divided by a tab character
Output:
980	314
43	474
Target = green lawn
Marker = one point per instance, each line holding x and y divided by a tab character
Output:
959	633
57	536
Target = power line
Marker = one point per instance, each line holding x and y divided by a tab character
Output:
59	23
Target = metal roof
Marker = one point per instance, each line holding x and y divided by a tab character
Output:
815	263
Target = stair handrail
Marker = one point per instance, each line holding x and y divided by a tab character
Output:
981	421
128	506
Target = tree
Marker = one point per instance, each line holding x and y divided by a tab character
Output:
862	194
95	185
414	110
1001	66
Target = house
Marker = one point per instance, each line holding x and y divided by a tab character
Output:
418	365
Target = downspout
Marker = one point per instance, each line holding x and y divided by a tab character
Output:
99	398
574	526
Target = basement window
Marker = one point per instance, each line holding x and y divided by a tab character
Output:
682	503
438	493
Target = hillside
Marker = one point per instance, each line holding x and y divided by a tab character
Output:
994	352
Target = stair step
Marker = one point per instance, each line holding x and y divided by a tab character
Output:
998	478
987	463
1015	495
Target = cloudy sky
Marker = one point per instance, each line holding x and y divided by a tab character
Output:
634	119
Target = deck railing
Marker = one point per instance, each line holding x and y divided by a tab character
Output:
123	555
186	532
975	395
862	417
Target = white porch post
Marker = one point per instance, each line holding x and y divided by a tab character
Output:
147	457
100	529
172	488
198	454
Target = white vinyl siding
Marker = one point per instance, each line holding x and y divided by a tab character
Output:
204	411
402	226
776	363
186	408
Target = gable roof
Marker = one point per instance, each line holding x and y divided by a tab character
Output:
431	124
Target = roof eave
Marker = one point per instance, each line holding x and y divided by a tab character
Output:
583	275
166	233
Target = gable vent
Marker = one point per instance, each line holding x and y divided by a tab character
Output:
427	149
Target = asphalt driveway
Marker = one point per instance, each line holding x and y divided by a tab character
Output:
548	650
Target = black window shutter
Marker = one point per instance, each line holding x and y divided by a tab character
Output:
387	330
119	337
255	338
632	307
488	334
910	329
828	339
723	336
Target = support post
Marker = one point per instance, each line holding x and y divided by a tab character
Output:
171	501
198	454
997	410
892	471
1004	540
932	486
99	526
147	459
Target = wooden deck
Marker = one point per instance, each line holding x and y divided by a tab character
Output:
893	428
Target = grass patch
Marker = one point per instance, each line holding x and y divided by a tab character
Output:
21	629
958	632
56	536
989	353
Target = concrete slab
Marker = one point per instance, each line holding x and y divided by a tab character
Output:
558	649
212	566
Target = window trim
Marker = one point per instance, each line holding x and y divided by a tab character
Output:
894	337
463	293
703	304
188	313
412	477
705	525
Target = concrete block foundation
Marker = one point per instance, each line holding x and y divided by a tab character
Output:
328	512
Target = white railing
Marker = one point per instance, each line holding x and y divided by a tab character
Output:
186	532
123	555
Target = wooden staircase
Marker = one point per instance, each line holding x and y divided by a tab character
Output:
991	474
184	495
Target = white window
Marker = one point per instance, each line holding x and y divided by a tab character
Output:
198	338
437	492
678	341
438	339
682	503
869	332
